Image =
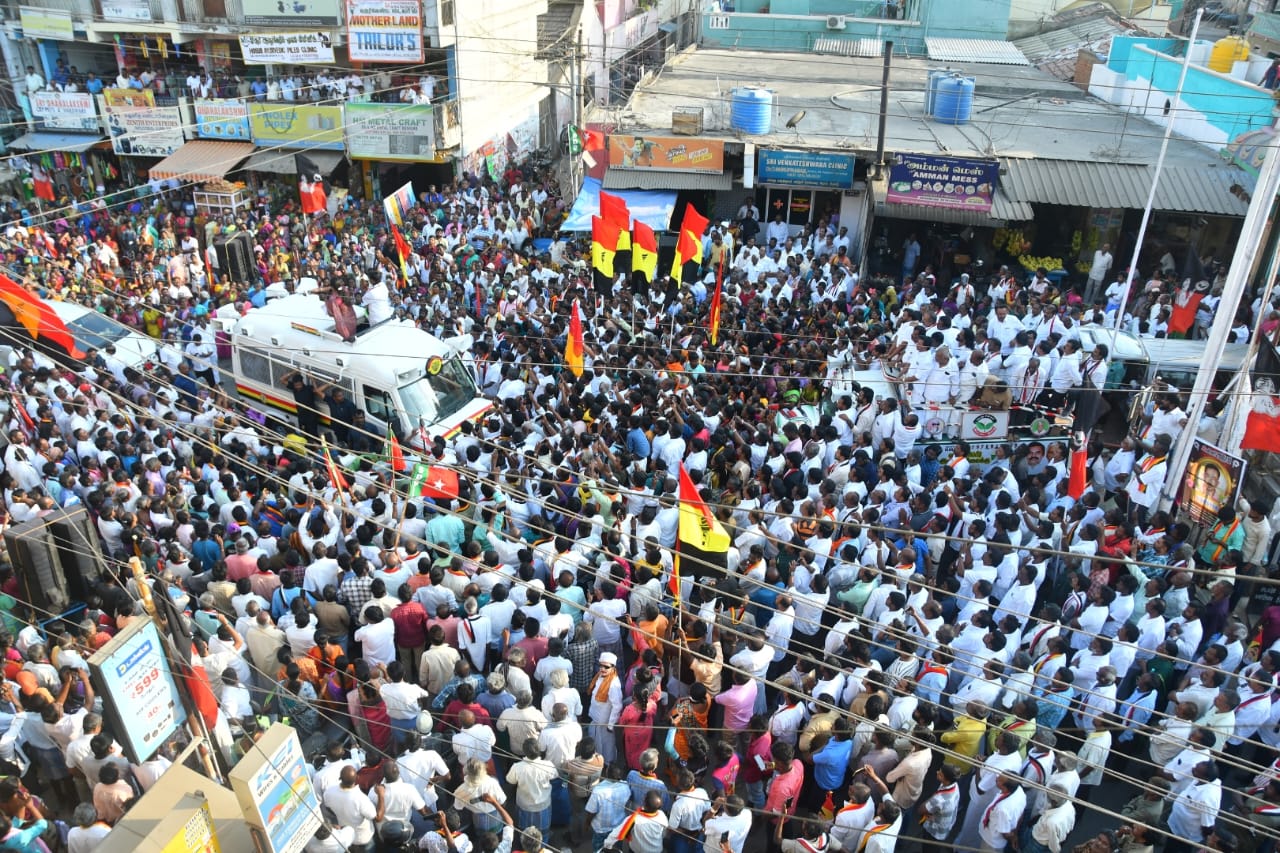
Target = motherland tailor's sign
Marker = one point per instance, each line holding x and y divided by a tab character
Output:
928	180
384	30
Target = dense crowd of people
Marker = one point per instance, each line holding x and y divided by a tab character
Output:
903	646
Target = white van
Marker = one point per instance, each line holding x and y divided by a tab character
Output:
94	329
394	371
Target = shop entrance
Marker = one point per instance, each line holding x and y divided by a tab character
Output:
799	207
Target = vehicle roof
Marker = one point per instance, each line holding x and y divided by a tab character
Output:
1190	355
1120	345
387	349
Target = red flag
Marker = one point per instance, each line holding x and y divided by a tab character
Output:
613	209
1183	316
1262	427
694	224
714	321
34	314
310	184
394	452
42	184
1079	473
440	483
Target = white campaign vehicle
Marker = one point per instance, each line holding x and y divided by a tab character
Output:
394	371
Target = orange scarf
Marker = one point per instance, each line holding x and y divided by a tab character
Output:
603	683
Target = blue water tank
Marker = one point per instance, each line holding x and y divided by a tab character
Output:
953	102
931	90
751	110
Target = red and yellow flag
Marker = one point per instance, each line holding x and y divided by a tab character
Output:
644	250
700	534
403	250
613	209
714	318
689	243
331	468
604	245
34	314
574	346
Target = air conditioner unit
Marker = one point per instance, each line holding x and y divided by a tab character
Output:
835	22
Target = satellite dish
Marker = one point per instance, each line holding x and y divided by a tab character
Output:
795	120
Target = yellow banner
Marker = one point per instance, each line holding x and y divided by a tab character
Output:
296	125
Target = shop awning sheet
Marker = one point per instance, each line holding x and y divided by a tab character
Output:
1085	183
1003	209
652	207
46	141
279	161
201	160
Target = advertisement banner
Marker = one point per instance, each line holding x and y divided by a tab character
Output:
296	126
391	131
69	111
40	23
805	169
290	13
384	30
928	180
132	675
126	10
399	203
273	786
287	48
666	153
197	835
226	119
1212	480
145	133
129	98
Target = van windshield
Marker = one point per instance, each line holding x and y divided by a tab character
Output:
436	398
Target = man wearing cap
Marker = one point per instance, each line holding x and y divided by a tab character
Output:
605	692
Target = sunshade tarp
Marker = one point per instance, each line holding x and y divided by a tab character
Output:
652	207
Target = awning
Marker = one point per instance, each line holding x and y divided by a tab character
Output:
651	207
1083	183
47	141
1003	209
642	179
989	51
279	161
201	160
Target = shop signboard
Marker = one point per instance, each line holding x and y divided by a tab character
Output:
139	694
155	132
666	153
126	10
1211	481
128	98
296	126
222	119
274	788
290	13
384	30
39	23
805	169
930	180
65	111
391	131
301	48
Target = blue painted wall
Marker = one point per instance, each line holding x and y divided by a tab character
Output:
793	25
1232	106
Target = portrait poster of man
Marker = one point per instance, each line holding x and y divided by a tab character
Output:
1212	481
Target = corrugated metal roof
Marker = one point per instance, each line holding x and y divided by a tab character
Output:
554	26
1003	209
1078	183
974	50
641	179
865	48
1095	33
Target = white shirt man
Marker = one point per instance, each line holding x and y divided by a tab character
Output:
353	808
